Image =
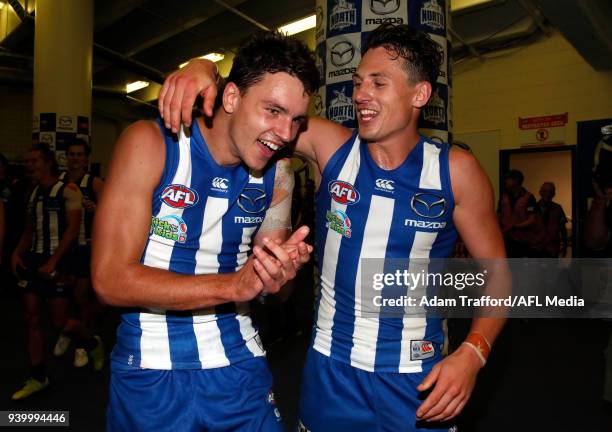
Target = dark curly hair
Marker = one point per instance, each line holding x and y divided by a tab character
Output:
272	52
422	56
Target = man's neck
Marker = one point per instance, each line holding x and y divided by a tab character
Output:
391	152
47	182
217	137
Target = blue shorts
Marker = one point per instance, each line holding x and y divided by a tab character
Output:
233	398
338	397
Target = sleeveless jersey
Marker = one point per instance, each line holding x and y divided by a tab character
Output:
364	211
48	215
203	219
85	183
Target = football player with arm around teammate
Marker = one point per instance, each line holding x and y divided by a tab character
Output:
366	372
203	232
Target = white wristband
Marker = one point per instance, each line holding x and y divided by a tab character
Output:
477	351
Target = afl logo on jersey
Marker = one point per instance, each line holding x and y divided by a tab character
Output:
343	192
179	196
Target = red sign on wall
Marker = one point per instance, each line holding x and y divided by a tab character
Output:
543	130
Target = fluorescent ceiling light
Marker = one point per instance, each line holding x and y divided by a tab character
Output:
464	4
299	26
213	57
136	85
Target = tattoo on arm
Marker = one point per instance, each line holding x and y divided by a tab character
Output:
279	214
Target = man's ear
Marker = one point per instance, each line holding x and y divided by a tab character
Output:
422	94
231	97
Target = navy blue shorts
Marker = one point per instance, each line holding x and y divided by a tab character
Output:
338	397
233	398
34	284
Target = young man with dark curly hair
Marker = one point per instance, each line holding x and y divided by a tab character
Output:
190	228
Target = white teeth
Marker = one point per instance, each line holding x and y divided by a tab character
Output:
367	112
268	144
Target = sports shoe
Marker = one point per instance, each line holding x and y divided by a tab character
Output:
97	354
62	344
80	357
30	387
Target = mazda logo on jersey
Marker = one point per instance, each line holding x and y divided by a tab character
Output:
252	200
428	205
384	7
179	196
342	53
343	192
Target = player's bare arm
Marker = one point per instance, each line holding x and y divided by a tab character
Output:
97	186
317	142
453	379
273	236
121	230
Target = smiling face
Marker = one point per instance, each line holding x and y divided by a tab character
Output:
387	103
265	117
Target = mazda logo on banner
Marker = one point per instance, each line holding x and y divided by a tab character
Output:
252	200
428	205
384	7
342	53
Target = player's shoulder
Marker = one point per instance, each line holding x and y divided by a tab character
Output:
71	189
460	159
143	140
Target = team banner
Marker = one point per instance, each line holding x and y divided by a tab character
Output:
466	288
344	25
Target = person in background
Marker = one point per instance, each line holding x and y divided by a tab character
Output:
81	326
520	222
52	227
554	241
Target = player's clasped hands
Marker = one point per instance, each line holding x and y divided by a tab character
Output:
273	265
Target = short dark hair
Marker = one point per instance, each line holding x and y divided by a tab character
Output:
81	142
515	175
47	155
272	52
422	56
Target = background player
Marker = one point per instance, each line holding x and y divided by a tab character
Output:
83	326
52	227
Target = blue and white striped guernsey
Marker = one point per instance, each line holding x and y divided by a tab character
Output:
364	211
203	219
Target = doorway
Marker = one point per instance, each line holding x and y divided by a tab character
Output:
546	164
